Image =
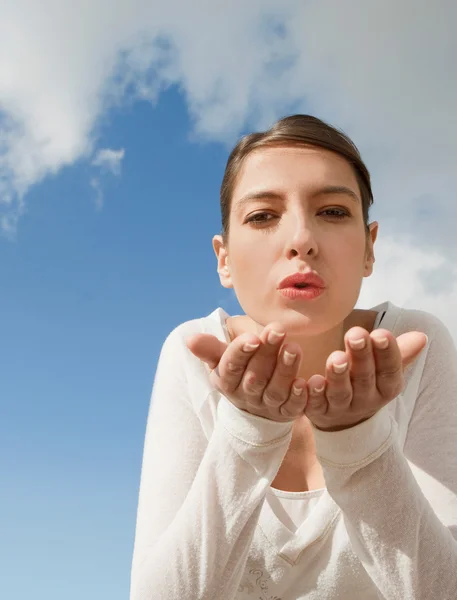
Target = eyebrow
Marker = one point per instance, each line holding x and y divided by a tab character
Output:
325	191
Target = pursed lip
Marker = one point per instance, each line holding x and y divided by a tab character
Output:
310	278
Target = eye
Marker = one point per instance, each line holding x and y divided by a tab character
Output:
332	213
259	218
341	213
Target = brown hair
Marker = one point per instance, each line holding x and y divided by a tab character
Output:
300	130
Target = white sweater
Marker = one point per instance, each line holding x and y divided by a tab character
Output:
211	527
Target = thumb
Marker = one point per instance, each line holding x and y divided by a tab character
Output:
411	345
207	348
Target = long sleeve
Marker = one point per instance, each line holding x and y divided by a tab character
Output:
400	506
199	499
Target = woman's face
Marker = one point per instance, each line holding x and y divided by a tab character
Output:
296	209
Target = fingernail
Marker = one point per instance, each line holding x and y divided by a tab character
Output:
319	390
340	368
381	343
357	344
288	358
250	347
274	337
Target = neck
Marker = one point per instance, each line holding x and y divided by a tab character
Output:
316	350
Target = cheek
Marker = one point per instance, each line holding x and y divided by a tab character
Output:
245	261
349	248
252	250
347	261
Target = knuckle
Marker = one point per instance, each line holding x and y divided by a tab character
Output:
391	373
340	393
366	379
342	397
234	368
258	385
317	406
283	375
255	385
272	398
287	411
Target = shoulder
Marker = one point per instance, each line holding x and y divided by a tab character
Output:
174	344
180	369
180	332
175	355
439	358
410	319
210	324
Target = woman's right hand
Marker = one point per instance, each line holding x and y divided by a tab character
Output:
252	373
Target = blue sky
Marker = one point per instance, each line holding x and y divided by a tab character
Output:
98	264
88	297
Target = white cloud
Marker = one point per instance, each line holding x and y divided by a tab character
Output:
411	277
106	158
383	71
96	185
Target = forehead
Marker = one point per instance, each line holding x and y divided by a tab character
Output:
290	168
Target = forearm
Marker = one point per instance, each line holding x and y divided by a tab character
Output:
203	551
406	550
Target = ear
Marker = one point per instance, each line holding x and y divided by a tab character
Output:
369	250
222	262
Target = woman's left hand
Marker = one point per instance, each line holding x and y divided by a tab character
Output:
373	377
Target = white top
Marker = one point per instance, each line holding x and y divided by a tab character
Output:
211	527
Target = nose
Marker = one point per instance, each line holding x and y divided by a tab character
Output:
302	241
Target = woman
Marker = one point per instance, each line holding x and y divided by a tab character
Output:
269	473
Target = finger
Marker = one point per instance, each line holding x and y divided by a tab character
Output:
339	387
317	402
389	369
411	345
207	348
363	366
262	364
296	401
277	390
234	361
